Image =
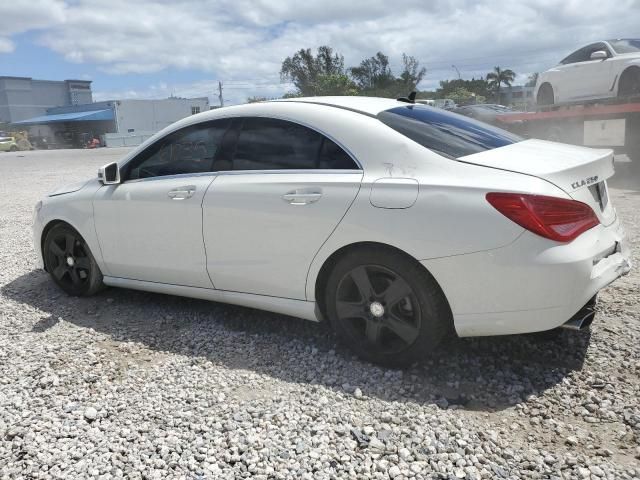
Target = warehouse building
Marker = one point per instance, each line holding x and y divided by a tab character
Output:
114	122
22	98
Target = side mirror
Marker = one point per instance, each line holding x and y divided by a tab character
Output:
109	174
599	55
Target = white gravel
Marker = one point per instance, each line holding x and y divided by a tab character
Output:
137	385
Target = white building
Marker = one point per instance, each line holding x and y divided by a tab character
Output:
25	97
115	122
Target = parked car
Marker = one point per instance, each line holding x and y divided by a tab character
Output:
398	223
485	112
600	70
444	103
8	144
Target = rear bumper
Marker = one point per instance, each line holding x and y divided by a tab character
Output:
531	285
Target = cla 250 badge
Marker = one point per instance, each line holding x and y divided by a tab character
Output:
586	181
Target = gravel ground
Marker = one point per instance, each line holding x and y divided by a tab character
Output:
137	385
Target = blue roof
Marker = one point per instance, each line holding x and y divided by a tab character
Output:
87	116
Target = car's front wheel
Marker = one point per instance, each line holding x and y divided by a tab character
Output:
69	261
386	306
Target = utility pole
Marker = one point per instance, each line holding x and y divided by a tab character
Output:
220	94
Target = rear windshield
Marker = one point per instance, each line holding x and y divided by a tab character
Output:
628	45
446	133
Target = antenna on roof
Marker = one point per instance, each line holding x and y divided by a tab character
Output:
410	99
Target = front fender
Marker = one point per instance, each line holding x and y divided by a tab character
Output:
74	208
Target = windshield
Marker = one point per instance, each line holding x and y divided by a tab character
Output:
627	45
446	133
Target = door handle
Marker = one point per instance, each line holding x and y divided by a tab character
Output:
181	193
302	197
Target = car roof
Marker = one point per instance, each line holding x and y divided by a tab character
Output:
356	106
365	105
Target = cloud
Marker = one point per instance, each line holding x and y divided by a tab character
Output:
6	45
233	92
242	40
18	17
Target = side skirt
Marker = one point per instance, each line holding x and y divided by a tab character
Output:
285	306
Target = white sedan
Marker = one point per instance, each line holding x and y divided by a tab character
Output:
396	222
600	70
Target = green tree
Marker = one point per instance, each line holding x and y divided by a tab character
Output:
478	86
335	84
412	74
304	68
499	77
461	96
292	95
324	74
373	74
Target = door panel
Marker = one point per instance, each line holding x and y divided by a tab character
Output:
583	78
152	229
262	230
593	79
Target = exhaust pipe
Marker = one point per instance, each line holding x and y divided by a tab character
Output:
583	318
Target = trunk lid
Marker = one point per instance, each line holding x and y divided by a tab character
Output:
581	172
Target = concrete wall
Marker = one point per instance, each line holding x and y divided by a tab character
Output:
135	116
22	98
125	139
136	120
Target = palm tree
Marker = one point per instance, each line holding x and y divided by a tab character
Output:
498	77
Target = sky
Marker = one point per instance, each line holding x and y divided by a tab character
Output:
145	49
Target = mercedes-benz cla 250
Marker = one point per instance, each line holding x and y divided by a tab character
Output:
395	222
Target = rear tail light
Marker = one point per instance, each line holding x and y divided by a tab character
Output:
554	218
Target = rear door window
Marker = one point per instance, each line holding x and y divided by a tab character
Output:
274	144
446	133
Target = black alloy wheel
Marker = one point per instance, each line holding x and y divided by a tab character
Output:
378	309
386	306
70	262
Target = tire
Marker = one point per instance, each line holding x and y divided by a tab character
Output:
386	307
545	95
629	84
13	148
70	263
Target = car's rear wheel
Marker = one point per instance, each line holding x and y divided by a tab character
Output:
70	263
629	83
13	148
386	306
545	95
